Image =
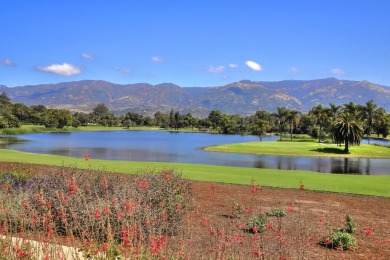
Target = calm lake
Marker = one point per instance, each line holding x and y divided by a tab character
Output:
183	148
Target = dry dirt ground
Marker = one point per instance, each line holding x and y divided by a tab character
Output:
309	216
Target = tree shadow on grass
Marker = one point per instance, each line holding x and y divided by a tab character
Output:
331	150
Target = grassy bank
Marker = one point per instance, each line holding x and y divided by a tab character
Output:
302	149
368	185
34	129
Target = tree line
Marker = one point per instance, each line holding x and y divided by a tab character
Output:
320	122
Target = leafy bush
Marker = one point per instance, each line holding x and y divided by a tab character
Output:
276	212
341	239
258	224
350	225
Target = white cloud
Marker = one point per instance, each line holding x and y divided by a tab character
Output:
157	58
293	70
88	56
233	65
253	65
122	70
338	71
216	70
64	69
8	63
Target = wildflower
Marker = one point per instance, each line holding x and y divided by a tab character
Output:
97	215
105	247
86	156
213	191
167	174
302	187
268	225
106	211
157	244
368	231
290	209
104	182
72	186
321	219
143	184
255	189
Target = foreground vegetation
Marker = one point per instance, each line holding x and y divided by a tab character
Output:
302	149
154	215
357	184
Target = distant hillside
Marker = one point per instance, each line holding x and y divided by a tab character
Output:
243	97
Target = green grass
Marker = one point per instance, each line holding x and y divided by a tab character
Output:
33	129
308	149
356	184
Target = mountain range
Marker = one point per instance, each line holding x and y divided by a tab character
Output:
244	97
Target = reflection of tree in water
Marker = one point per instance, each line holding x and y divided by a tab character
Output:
346	166
259	164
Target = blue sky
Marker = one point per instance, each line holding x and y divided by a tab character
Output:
193	43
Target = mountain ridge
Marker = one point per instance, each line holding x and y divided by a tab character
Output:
242	97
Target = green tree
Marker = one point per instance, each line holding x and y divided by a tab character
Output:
334	111
321	115
281	117
369	114
99	113
4	97
59	118
291	116
347	129
215	118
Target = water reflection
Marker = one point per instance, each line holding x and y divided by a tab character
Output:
183	148
344	165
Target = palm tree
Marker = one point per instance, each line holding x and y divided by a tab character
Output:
290	117
321	114
351	108
347	130
334	110
369	113
281	115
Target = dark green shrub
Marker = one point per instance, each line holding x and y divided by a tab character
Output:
350	225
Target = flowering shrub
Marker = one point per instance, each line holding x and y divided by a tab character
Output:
99	209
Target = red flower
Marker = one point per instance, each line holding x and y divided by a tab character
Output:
86	156
104	182
143	184
97	215
368	231
255	189
213	190
302	187
167	174
105	247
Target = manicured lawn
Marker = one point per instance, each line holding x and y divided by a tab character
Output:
368	185
302	149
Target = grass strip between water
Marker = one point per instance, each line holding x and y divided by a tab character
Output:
355	184
301	149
